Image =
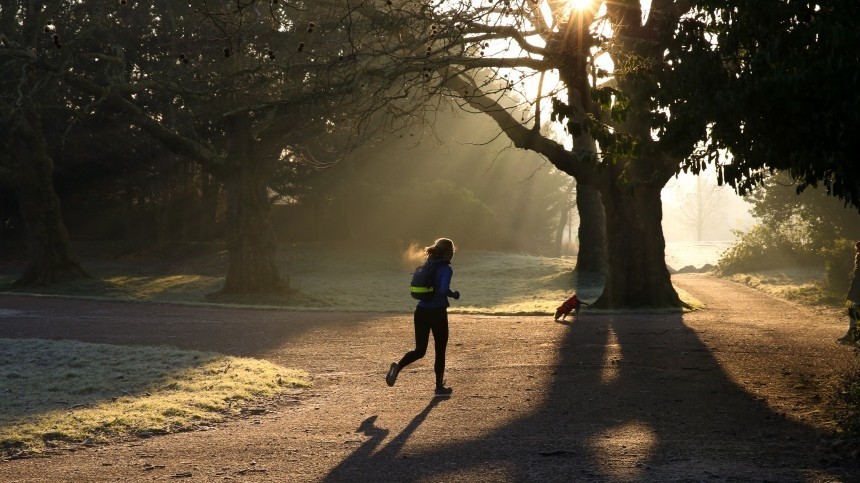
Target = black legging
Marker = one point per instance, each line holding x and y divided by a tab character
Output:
427	320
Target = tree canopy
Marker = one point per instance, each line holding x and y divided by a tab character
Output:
774	81
249	91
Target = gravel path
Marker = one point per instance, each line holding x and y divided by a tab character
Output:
733	392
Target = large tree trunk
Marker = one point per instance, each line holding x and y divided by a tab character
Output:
637	276
249	236
49	253
558	233
209	206
4	215
592	256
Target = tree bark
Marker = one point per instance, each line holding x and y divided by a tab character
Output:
49	254
209	206
637	275
592	256
558	233
249	236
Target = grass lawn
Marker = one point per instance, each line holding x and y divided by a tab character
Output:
800	284
60	392
329	278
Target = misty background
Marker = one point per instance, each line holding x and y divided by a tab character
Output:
465	181
461	179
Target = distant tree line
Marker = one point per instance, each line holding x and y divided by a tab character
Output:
138	192
120	185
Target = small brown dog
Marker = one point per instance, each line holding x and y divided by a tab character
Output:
571	304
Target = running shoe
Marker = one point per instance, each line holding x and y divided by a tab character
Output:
442	391
391	377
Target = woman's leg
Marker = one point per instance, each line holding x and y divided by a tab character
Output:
440	342
422	338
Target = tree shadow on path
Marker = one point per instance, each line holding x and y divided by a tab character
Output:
630	398
234	331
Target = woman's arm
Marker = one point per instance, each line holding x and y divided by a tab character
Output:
445	283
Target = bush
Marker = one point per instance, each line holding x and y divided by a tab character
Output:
848	392
765	248
838	264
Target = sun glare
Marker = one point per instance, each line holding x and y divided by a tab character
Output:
580	4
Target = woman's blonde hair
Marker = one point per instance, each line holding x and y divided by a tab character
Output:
441	248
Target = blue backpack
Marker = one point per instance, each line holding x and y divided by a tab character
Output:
423	279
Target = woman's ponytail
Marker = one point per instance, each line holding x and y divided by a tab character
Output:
442	248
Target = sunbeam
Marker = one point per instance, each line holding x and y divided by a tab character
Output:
611	358
631	444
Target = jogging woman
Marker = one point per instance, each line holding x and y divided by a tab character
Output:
432	316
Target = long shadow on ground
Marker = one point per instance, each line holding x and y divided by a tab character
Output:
243	332
692	424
